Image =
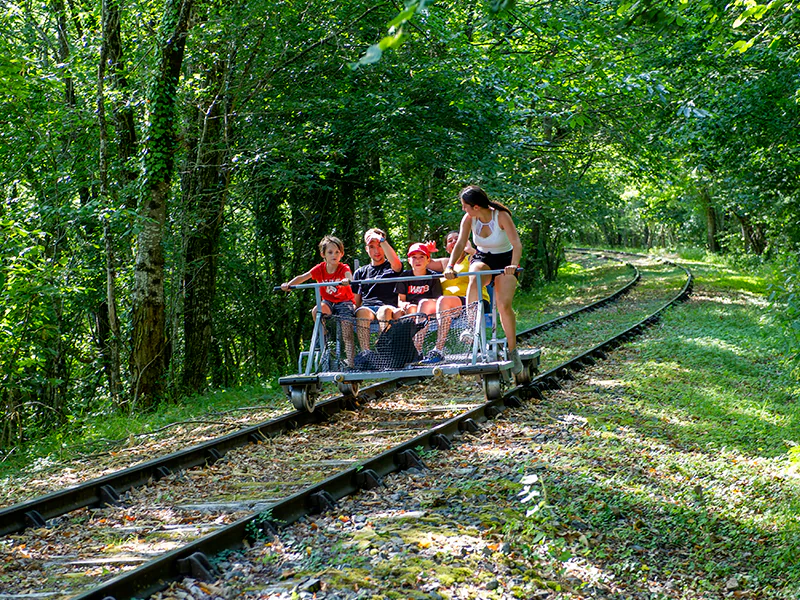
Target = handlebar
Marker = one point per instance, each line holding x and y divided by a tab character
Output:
302	286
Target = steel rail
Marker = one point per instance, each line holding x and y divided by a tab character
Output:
526	334
192	559
108	489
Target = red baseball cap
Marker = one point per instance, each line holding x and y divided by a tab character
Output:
423	248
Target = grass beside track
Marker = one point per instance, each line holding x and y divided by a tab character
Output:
668	471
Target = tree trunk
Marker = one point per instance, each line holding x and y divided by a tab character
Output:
108	327
753	236
11	424
115	335
53	393
544	252
347	201
205	199
376	215
267	209
148	343
711	220
122	111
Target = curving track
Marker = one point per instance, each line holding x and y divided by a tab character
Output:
167	514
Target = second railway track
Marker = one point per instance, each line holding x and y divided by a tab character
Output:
168	514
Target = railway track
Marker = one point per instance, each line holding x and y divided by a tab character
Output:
392	423
116	480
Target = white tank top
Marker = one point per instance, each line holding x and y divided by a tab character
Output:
496	242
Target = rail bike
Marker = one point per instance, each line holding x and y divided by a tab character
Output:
348	351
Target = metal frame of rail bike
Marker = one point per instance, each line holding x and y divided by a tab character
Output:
488	357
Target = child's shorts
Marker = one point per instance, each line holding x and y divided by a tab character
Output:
346	308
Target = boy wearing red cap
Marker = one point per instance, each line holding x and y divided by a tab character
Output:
419	296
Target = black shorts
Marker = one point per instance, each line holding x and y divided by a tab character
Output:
493	261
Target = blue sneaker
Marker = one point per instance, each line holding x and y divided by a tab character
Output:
433	357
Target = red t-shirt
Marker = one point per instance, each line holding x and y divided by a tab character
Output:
332	293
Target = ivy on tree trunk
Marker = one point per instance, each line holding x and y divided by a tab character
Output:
148	343
205	195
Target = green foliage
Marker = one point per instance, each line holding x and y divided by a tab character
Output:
396	33
259	528
596	123
24	320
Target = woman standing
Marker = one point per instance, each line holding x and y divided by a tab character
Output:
497	241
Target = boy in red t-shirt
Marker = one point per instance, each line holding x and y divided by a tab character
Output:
336	299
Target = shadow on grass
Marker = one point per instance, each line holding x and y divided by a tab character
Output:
679	472
725	382
642	537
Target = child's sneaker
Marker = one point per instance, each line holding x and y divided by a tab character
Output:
433	357
466	337
514	356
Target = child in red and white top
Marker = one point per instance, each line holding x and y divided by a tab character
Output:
337	298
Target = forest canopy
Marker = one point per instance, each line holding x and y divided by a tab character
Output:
164	165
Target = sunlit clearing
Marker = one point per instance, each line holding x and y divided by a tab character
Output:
606	383
570	268
711	342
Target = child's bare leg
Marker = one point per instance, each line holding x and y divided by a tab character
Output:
349	343
326	311
364	318
427	307
445	310
419	337
388	313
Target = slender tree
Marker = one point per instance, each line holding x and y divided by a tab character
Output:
108	326
148	344
205	192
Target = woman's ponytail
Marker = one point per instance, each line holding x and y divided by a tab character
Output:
475	196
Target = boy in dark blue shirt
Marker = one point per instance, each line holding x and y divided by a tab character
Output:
376	300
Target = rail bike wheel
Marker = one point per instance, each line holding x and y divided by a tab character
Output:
492	386
524	377
348	388
303	398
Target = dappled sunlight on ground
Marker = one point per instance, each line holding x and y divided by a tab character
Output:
607	383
